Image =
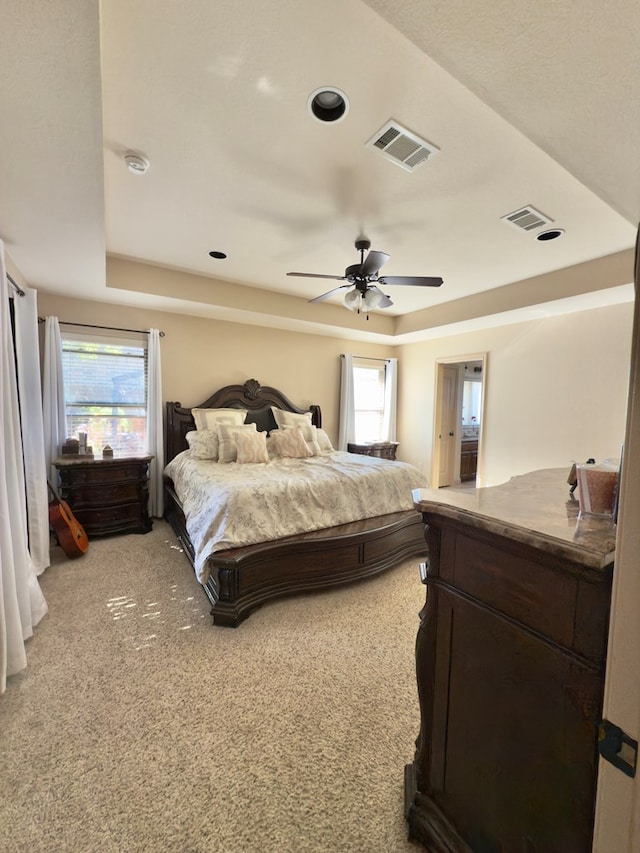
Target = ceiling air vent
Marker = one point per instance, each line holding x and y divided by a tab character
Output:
401	146
526	219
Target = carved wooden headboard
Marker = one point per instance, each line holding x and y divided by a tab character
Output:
257	399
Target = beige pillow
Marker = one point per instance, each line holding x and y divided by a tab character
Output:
252	446
289	443
203	443
290	419
212	418
227	447
309	433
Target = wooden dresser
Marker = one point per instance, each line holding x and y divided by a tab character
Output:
383	449
107	495
510	659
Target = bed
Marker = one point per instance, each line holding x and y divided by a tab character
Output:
238	578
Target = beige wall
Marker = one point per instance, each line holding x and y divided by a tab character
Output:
555	391
201	355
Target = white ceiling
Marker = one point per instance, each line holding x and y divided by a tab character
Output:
528	103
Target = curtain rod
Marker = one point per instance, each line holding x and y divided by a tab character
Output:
109	328
368	357
19	290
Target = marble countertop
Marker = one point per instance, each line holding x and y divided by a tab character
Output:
534	508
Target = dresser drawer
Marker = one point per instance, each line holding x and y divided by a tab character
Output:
533	594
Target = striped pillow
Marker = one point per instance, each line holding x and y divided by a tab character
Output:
290	443
252	447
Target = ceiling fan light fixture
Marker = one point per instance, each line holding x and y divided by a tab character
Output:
352	300
372	299
328	104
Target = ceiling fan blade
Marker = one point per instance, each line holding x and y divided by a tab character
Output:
317	275
329	293
385	301
373	262
417	280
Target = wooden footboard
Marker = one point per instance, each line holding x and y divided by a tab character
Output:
242	579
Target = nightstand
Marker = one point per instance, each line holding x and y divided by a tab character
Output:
107	495
383	449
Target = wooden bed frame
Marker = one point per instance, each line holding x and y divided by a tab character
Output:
241	579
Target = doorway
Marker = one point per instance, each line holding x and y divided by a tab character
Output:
458	417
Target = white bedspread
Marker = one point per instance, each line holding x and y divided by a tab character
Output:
230	505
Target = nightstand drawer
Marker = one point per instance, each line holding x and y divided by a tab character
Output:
100	472
113	519
85	494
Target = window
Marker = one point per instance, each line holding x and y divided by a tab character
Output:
105	387
369	400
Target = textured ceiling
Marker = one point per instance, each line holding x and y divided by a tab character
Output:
528	104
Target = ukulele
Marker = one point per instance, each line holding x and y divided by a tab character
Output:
69	532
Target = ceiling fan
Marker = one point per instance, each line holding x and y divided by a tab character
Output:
364	280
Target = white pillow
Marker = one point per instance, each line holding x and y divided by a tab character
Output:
324	441
227	447
252	446
290	419
289	443
203	443
309	433
212	418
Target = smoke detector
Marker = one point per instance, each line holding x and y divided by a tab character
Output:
136	163
401	146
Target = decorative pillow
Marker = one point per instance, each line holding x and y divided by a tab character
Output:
324	441
252	446
290	419
289	443
203	443
212	418
309	433
227	448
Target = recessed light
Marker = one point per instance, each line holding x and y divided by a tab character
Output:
219	255
136	163
551	234
328	104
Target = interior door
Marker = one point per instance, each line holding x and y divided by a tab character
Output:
447	422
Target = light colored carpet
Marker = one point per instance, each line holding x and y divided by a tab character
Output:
139	726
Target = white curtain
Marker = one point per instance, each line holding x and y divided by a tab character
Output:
390	399
30	396
347	404
155	435
22	604
53	405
